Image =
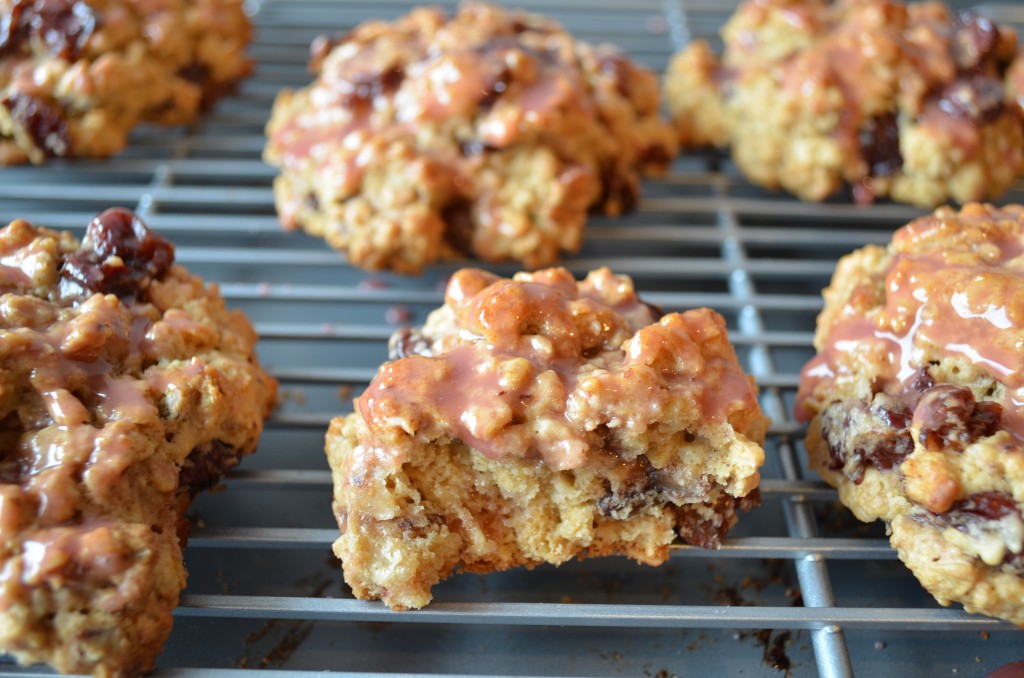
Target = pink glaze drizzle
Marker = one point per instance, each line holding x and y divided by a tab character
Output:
533	321
936	302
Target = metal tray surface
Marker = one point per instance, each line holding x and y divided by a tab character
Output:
799	581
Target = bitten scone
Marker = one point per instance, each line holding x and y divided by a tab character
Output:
916	396
534	420
126	387
77	75
892	100
489	133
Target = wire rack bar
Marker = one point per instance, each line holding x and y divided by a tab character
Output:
749	547
829	641
579	615
333	332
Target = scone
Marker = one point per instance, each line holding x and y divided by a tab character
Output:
126	387
489	133
891	100
77	75
916	398
534	420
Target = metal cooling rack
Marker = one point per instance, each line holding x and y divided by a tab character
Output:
798	581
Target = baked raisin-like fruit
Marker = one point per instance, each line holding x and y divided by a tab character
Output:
77	75
537	419
125	388
906	101
489	133
915	400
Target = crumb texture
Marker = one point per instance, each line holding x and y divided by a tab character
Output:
916	395
537	419
125	388
489	133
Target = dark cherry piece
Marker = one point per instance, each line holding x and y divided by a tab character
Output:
196	73
949	418
616	65
696	529
880	145
976	98
362	88
495	88
916	387
654	156
977	509
42	121
987	505
974	40
459	228
617	188
520	26
206	465
631	487
976	513
859	434
63	26
119	255
12	35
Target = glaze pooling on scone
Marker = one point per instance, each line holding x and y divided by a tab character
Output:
489	133
530	335
915	400
76	76
537	419
913	102
125	388
952	290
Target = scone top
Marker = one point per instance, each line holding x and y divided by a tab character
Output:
920	364
485	78
904	100
487	132
542	366
950	291
100	340
888	59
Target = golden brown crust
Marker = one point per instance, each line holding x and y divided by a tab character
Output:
539	419
125	387
489	133
77	75
893	100
953	575
916	399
